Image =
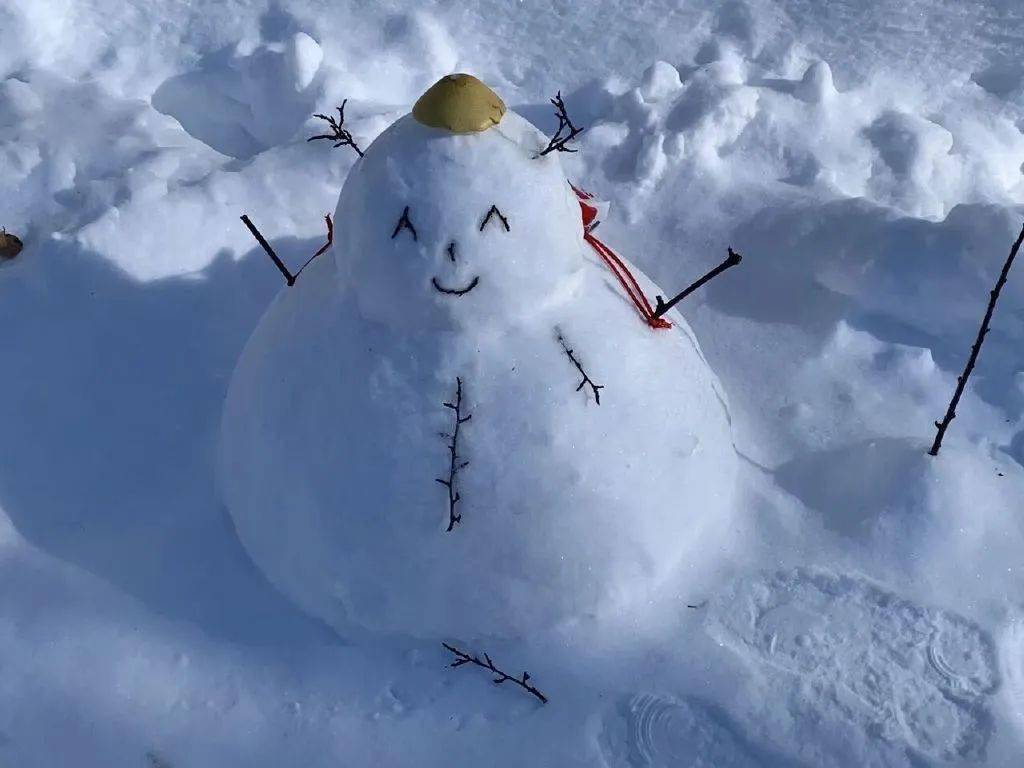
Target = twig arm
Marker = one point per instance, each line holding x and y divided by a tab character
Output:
663	306
288	276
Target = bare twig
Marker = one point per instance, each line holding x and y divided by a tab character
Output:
461	657
288	276
323	248
559	140
664	306
493	211
10	245
961	380
338	133
587	381
405	223
455	464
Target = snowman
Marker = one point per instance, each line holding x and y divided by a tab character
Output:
460	425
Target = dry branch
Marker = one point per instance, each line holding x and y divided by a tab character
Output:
559	140
288	276
961	380
405	223
339	133
664	306
587	381
455	463
461	657
493	211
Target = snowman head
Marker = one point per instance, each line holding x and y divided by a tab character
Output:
451	218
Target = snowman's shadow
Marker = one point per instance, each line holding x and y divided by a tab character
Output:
110	406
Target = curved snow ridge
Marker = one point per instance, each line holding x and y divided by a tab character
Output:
899	670
659	731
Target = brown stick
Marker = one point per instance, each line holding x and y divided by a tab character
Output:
288	276
663	306
961	380
461	657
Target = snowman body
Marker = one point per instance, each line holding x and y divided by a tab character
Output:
406	444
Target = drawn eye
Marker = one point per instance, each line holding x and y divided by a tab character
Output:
405	223
494	212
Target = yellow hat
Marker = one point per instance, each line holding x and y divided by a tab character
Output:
459	103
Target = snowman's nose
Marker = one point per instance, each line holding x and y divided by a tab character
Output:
450	250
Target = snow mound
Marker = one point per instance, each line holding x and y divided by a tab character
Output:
912	515
731	121
902	671
443	322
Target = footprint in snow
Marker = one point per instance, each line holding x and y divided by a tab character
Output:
654	731
900	670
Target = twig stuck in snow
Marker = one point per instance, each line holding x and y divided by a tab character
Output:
664	306
493	211
455	464
559	140
405	223
461	657
587	381
338	133
288	276
961	380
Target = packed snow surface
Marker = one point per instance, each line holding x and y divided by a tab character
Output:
856	602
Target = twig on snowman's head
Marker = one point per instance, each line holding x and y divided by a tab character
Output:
288	276
664	306
461	657
455	462
961	380
566	130
586	381
338	133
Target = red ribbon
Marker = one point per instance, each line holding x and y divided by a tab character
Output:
615	263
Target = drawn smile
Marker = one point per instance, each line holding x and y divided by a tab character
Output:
455	291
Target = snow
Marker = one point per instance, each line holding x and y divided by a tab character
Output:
865	158
571	509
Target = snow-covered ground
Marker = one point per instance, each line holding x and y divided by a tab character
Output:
866	158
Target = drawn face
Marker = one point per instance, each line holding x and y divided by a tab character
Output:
440	229
405	225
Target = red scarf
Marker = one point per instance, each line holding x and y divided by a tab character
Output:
615	264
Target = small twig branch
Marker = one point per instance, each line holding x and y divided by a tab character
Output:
461	657
455	463
559	140
405	223
663	306
338	133
961	381
288	276
493	211
323	248
587	381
